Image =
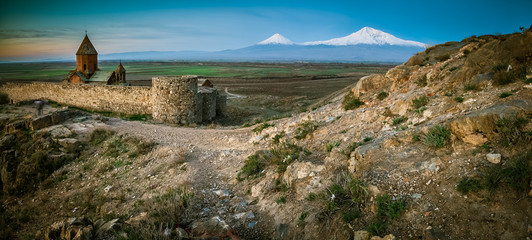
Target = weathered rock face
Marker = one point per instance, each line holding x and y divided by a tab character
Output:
370	83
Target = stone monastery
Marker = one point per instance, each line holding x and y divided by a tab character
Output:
87	68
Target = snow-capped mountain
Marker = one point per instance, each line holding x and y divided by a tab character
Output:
369	36
276	39
366	45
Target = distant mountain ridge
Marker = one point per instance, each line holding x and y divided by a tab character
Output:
365	45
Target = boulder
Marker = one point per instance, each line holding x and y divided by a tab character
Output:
214	227
493	157
387	237
361	235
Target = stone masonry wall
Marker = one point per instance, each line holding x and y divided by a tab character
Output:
121	99
171	99
174	99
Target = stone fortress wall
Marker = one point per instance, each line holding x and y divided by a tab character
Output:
171	99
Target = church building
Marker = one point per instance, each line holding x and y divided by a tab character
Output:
87	68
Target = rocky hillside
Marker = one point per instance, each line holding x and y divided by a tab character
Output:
437	148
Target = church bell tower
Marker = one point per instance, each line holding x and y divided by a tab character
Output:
86	57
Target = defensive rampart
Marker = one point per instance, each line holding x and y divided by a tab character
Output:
170	99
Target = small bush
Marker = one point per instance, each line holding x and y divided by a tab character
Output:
470	87
350	215
367	139
100	135
505	95
4	98
302	217
261	127
415	137
502	78
376	228
117	147
277	138
329	146
419	102
285	154
510	129
305	129
399	120
452	69
459	99
386	206
422	81
281	200
252	167
518	175
350	102
437	136
468	185
382	95
443	58
311	197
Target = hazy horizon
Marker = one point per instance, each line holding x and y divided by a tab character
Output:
46	30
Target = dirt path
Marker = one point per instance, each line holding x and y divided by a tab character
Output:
214	157
232	95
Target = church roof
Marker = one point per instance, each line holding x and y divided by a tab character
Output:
100	76
120	68
86	47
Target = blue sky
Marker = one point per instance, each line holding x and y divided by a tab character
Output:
31	30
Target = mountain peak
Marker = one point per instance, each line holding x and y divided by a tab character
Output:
276	39
368	35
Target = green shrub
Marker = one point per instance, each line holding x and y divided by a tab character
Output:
510	129
399	120
419	102
377	227
281	200
350	102
329	146
261	127
116	147
452	69
437	136
386	206
459	99
518	174
99	135
305	129
367	139
505	95
492	178
350	215
415	137
301	221
468	185
382	95
285	154
422	81
252	167
277	138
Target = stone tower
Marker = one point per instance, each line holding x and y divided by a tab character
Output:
175	99
87	57
120	73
